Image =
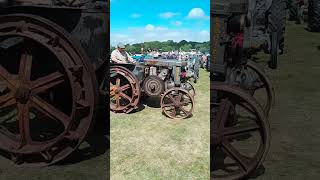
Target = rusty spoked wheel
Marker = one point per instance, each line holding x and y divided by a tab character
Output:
124	90
263	91
177	103
47	91
240	133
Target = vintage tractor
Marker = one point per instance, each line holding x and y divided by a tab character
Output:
309	12
241	94
165	78
193	68
314	15
53	54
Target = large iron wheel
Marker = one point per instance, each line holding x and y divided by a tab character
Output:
240	133
124	90
177	103
263	90
48	91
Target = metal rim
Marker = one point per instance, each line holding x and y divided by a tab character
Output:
192	91
177	103
223	134
266	84
124	90
26	91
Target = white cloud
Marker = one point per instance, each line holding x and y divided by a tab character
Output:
135	15
176	23
197	13
160	28
149	27
168	15
204	33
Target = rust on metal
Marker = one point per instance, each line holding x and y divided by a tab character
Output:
52	98
177	103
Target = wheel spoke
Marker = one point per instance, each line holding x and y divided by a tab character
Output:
126	96
117	101
125	87
118	82
235	155
171	98
50	111
179	97
7	100
223	113
260	86
174	112
24	124
5	75
247	107
47	82
185	112
25	66
168	105
240	130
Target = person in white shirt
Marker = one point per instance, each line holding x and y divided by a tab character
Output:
119	55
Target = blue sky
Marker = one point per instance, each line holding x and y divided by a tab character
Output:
133	21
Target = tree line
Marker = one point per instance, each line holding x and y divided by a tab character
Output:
166	46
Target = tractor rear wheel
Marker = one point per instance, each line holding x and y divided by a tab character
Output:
293	10
240	133
48	91
314	15
125	90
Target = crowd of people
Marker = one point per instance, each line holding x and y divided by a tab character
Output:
120	55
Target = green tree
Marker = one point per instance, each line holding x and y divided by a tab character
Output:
167	48
186	47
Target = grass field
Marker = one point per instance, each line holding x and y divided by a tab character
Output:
294	152
148	145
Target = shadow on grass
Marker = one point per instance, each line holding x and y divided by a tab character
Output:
97	144
258	172
97	141
153	102
219	164
318	47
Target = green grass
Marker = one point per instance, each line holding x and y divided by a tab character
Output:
294	120
148	145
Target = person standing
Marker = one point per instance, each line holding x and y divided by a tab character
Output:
300	6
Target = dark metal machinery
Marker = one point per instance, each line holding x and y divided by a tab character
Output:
308	12
241	94
53	55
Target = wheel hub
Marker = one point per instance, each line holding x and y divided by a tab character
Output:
113	91
23	94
